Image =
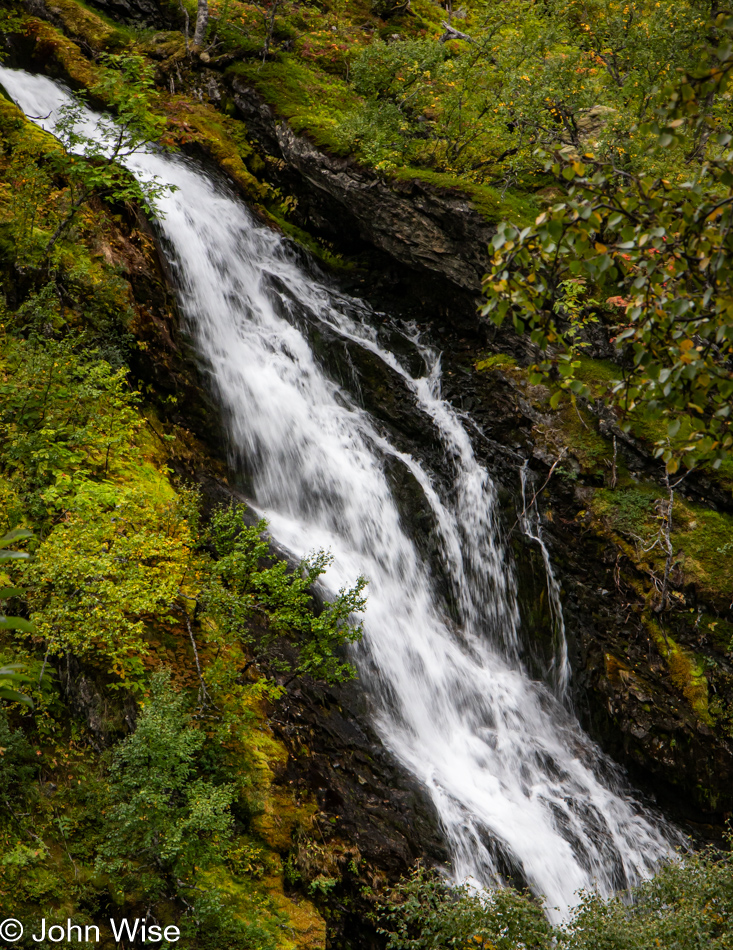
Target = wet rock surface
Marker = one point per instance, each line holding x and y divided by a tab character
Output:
374	819
416	224
145	12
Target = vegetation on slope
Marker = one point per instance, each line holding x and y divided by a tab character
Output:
657	247
465	93
139	781
685	907
175	625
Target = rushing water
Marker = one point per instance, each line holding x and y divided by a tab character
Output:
518	787
558	674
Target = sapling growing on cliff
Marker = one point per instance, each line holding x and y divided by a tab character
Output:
164	821
92	163
249	595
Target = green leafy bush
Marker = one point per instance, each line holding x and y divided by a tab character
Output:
18	766
164	822
115	566
687	905
424	912
63	416
661	246
245	582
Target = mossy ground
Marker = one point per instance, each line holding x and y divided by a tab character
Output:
305	80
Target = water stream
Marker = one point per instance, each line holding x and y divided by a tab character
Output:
517	785
558	675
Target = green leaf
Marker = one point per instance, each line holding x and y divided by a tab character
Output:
18	534
13	696
7	592
16	623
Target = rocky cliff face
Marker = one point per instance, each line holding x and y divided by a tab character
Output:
416	224
633	690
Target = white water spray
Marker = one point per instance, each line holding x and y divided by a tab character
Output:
517	785
531	523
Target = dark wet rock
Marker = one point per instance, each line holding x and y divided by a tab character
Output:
373	816
107	716
420	225
143	12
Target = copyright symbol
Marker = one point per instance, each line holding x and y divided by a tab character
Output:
11	930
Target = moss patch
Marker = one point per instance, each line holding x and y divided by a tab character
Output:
628	510
495	361
311	102
686	670
221	137
704	541
491	204
52	46
99	31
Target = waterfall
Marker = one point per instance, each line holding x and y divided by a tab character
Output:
531	524
520	790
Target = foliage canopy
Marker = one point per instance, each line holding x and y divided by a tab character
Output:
660	249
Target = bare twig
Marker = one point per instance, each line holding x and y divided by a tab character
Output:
539	491
614	477
43	668
204	692
665	534
582	420
268	16
451	33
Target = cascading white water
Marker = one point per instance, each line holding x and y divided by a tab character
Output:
531	524
517	785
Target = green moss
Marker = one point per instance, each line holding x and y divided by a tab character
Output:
583	440
312	103
52	45
331	260
220	136
496	361
491	204
628	510
703	540
599	375
93	27
717	630
687	670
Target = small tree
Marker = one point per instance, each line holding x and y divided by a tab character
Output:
95	164
245	583
163	820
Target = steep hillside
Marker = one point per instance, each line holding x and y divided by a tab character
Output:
192	756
